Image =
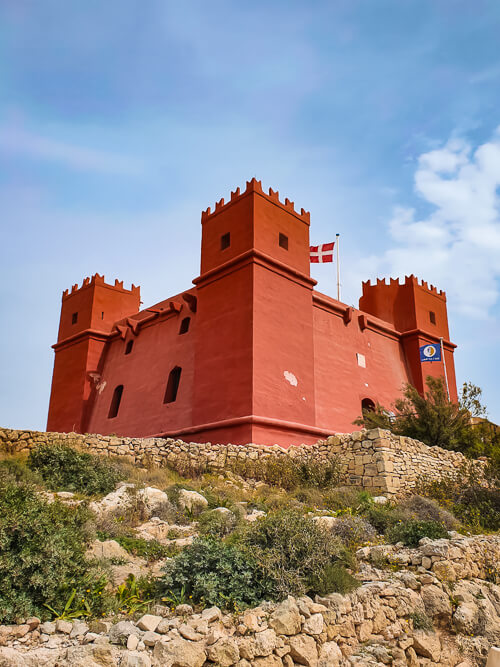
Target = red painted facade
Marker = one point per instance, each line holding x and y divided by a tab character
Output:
251	353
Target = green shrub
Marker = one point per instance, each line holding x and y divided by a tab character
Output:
334	578
421	621
353	531
382	517
426	509
290	548
150	550
216	524
411	531
214	573
64	468
289	473
42	551
343	497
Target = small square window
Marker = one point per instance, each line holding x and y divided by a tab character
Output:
283	241
432	317
74	318
225	241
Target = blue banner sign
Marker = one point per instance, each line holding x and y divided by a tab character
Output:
430	352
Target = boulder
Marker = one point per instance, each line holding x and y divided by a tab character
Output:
120	632
265	642
437	603
224	652
313	625
303	650
179	653
148	622
9	657
427	645
330	655
285	619
135	659
191	501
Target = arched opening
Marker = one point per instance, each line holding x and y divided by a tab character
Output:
367	405
184	328
129	346
115	401
172	385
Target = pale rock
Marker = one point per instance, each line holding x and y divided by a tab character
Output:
380	500
191	500
254	515
437	603
100	627
184	609
313	625
265	642
326	522
269	661
120	632
189	632
465	618
285	619
120	498
153	497
64	627
303	650
48	628
222	510
91	637
251	621
224	652
150	638
79	629
330	655
135	659
148	622
211	614
107	550
9	657
179	653
427	645
132	642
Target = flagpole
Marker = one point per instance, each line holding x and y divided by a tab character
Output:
338	267
444	367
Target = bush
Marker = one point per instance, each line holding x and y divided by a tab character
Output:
214	573
353	531
410	532
334	578
291	549
382	517
64	468
289	473
342	498
216	524
42	551
426	509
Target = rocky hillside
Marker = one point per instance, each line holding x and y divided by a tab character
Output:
105	563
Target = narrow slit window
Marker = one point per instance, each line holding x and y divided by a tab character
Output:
283	241
432	317
184	328
102	315
367	405
225	241
129	346
173	385
74	318
115	401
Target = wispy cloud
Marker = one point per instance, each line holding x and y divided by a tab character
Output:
457	244
20	142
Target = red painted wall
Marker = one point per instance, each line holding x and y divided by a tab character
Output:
266	359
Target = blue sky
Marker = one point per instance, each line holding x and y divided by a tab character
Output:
121	121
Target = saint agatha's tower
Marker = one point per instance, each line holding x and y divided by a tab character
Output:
251	353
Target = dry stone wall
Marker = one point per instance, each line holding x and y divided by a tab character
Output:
376	460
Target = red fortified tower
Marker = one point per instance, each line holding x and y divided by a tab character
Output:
250	354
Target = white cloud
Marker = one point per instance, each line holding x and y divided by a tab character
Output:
17	141
455	246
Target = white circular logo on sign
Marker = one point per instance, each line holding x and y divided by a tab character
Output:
429	350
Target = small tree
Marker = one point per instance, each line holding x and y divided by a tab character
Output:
433	418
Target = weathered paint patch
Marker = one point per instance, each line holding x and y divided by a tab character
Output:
290	377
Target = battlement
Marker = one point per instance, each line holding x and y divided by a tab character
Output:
256	186
409	280
97	279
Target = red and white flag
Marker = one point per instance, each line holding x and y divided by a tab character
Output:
320	254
